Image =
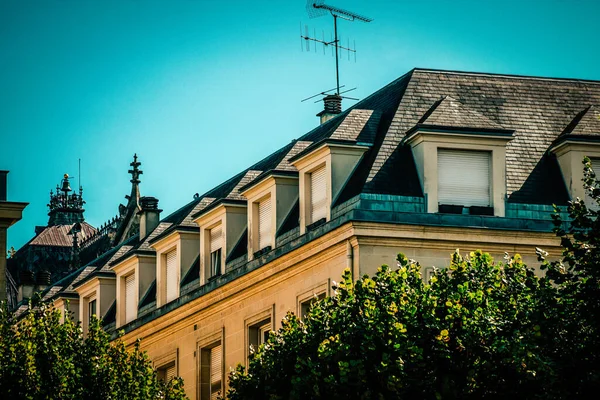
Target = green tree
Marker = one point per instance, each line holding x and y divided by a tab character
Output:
42	357
477	329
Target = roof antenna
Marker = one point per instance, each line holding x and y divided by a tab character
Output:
79	175
318	8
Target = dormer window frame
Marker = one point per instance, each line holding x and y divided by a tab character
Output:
570	152
165	249
102	290
339	158
134	265
426	143
231	215
183	241
281	187
73	307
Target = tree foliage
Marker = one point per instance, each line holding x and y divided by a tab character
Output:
42	357
477	329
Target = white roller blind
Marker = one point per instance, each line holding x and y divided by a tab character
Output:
172	281
170	373
264	223
130	300
216	238
464	178
215	371
318	195
589	202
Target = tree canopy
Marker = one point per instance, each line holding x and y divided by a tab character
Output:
477	329
44	357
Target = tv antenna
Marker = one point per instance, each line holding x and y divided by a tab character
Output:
318	8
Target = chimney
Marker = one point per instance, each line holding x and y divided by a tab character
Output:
42	280
3	185
149	215
27	285
333	107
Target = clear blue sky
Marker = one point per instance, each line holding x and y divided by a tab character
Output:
203	89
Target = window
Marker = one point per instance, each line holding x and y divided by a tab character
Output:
258	334
172	283
167	372
216	245
130	300
264	223
318	195
307	304
463	180
589	202
211	372
91	309
427	274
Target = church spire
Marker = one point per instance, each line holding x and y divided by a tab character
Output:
65	208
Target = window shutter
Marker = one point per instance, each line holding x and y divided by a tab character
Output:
264	223
216	238
172	281
170	373
130	300
318	195
464	178
215	371
589	202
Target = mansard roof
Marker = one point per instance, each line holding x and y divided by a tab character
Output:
536	109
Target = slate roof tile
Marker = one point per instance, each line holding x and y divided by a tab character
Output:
58	235
585	123
538	109
451	113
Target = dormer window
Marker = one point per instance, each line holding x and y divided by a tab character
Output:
216	249
460	156
464	181
222	226
172	284
318	195
130	299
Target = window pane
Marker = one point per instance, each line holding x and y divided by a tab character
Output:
215	263
464	178
318	195
172	283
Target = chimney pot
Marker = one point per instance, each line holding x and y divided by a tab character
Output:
149	215
332	106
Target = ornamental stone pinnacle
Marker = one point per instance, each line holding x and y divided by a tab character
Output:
135	171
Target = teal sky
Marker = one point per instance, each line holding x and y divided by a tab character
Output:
203	89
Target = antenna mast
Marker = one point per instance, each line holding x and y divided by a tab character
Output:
318	8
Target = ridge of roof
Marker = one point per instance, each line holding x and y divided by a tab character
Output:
498	74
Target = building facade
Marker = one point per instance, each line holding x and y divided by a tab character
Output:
433	162
10	213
